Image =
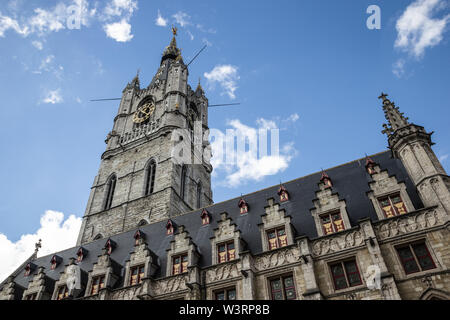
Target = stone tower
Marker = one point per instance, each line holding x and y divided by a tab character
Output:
412	145
153	167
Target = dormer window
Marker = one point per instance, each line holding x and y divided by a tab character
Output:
277	238
179	264
54	262
98	283
138	238
81	254
332	223
226	252
169	227
137	275
370	165
27	270
392	205
326	180
243	206
283	193
205	217
63	292
110	246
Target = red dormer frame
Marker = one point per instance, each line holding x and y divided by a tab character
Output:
205	217
80	255
53	262
169	227
243	206
370	164
27	270
137	237
109	246
326	180
283	193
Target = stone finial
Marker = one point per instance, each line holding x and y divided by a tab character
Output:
37	246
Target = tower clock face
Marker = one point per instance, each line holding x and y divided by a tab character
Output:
144	112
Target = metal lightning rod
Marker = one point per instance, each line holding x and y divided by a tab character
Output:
223	105
96	100
197	55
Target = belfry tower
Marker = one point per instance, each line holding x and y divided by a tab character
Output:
412	144
141	178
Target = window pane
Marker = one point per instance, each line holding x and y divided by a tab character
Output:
290	294
271	234
340	283
422	254
278	295
232	294
396	199
220	295
337	270
288	282
350	266
407	259
338	276
276	284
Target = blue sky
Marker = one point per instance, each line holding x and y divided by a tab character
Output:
311	68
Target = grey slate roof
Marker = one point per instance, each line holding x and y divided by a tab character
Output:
350	182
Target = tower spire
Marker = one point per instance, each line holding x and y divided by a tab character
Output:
395	118
172	51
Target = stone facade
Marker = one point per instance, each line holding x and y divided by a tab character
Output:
302	259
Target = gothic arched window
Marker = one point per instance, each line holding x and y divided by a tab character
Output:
110	187
199	194
183	181
150	172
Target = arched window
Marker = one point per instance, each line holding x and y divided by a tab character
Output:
110	187
183	181
199	194
98	236
150	177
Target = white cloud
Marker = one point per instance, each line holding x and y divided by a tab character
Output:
266	124
117	8
53	97
443	157
115	16
252	164
124	9
226	76
7	23
205	41
56	233
293	117
119	31
182	18
417	29
190	35
160	21
202	29
38	45
398	68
